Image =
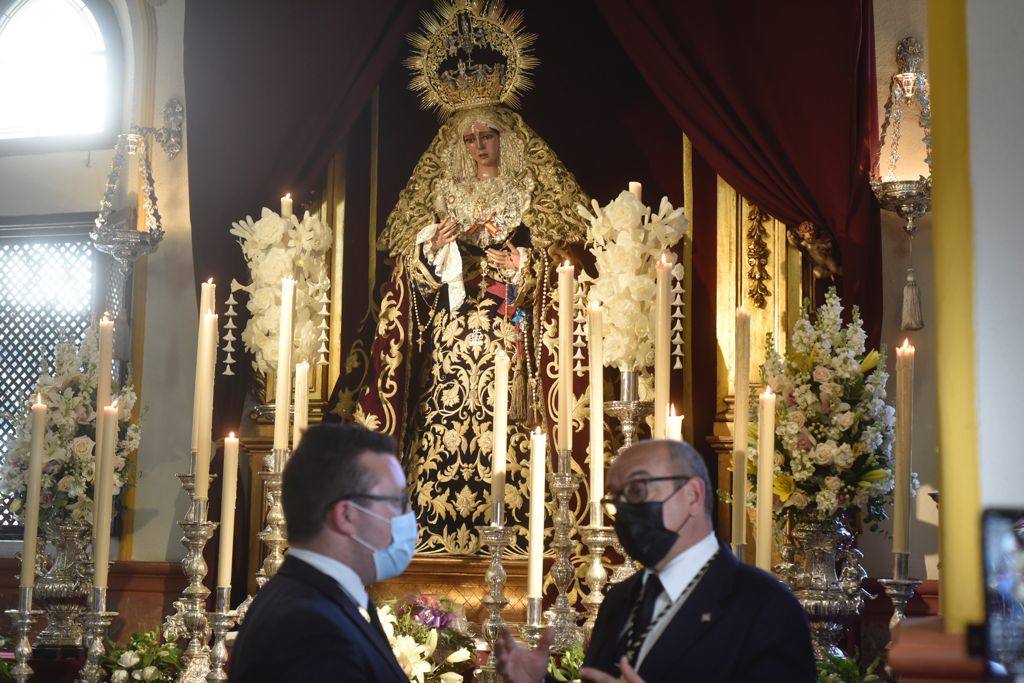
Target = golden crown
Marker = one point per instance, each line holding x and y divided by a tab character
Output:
470	53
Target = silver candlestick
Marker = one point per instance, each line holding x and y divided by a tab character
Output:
564	483
534	627
596	538
273	534
899	589
496	537
197	532
221	621
94	625
23	617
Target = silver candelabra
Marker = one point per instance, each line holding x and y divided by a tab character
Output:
597	539
273	535
221	620
496	537
899	589
564	483
534	627
94	625
23	617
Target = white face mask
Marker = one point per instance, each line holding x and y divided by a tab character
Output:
392	560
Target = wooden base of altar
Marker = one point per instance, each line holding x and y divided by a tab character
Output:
922	651
461	579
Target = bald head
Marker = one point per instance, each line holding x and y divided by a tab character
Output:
663	458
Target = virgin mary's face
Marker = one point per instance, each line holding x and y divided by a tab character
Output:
484	146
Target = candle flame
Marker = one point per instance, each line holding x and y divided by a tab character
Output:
39	399
287	196
672	410
566	264
231	435
106	318
767	392
537	432
742	312
664	258
209	281
906	345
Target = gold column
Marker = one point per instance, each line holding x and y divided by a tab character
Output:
953	255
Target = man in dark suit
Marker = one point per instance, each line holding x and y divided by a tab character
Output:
349	525
694	613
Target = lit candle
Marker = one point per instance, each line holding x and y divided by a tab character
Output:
765	477
565	397
282	395
229	489
206	380
636	189
535	568
674	425
741	424
661	347
499	454
902	449
32	490
104	487
286	205
103	375
301	402
206	305
595	326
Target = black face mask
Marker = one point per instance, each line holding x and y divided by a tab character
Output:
641	530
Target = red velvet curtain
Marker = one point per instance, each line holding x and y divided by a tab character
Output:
779	98
272	89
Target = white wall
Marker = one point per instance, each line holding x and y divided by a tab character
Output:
894	20
73	182
995	45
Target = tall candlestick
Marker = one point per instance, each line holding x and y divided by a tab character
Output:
229	489
104	488
662	336
902	450
286	205
596	334
301	402
499	454
105	343
206	380
565	396
636	189
32	490
741	424
765	477
282	395
206	305
674	425
535	567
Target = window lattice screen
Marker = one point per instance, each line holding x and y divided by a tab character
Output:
46	295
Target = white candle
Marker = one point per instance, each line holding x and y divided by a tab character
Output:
535	567
206	380
565	396
103	374
662	336
282	395
674	425
499	453
32	486
595	326
636	189
206	305
765	477
902	449
301	402
286	205
104	487
228	491
741	424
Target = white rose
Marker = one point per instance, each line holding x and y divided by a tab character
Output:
460	655
268	230
843	457
798	499
625	211
451	677
82	446
822	374
261	299
844	420
150	673
119	676
823	453
128	659
833	483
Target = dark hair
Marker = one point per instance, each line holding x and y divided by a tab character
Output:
324	468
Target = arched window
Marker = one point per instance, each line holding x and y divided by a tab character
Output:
60	65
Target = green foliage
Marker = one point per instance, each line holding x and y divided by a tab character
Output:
146	654
842	670
565	666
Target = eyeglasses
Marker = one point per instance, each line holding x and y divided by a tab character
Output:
636	491
401	502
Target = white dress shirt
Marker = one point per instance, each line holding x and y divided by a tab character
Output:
346	577
675	578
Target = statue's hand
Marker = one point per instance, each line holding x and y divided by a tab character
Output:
447	231
506	258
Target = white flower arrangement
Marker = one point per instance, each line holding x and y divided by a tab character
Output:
69	443
627	239
834	429
276	247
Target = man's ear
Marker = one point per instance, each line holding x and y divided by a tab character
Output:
339	518
699	494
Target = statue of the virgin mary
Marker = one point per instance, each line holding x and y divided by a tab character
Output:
475	237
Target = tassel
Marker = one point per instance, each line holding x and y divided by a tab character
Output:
912	318
517	403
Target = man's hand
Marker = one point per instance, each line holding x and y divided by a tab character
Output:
629	674
506	258
516	664
446	232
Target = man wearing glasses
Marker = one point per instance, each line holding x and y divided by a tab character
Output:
693	613
349	525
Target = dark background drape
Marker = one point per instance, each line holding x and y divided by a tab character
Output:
779	98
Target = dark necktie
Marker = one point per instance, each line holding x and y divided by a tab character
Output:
371	609
640	624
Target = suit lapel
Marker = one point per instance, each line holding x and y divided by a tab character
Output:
299	570
695	617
